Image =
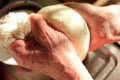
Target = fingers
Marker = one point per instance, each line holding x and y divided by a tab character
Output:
36	22
16	46
79	7
38	27
84	9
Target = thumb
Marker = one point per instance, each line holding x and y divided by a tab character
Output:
38	26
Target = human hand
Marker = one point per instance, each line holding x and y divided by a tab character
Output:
49	52
103	22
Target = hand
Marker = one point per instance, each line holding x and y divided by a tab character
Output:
42	53
49	52
103	22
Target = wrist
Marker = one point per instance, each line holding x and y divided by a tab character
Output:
74	70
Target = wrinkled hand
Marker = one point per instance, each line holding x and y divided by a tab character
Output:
103	22
49	52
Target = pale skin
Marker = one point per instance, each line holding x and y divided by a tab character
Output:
103	22
52	53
